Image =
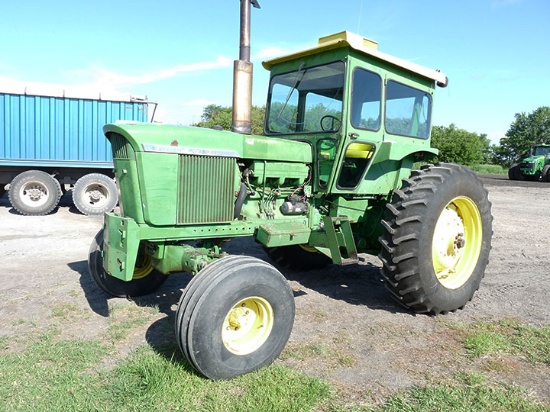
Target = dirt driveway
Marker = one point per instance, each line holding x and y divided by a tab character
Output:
347	330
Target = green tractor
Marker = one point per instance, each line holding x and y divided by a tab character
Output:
534	167
332	177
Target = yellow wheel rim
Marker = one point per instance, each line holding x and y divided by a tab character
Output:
308	248
144	266
457	241
247	325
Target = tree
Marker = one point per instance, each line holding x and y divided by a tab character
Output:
222	116
460	146
525	132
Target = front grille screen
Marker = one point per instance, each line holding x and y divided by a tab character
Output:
206	189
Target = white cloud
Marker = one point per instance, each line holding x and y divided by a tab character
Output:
106	77
271	52
84	90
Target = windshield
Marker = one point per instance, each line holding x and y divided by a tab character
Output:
307	100
542	150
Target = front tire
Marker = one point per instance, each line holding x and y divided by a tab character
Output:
146	279
34	193
437	238
234	317
546	173
95	194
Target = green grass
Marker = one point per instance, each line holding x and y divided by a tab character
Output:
65	376
489	169
459	397
511	337
123	318
47	373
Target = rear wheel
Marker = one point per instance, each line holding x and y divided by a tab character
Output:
95	194
145	280
546	173
301	257
34	193
437	238
234	317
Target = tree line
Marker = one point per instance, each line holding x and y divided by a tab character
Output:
455	145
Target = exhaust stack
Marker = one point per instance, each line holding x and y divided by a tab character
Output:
242	75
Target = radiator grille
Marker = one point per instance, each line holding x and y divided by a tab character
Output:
120	149
206	192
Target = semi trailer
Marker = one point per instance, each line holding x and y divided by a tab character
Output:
52	139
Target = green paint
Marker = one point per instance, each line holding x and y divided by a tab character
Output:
344	125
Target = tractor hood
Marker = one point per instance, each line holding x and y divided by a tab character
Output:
533	159
155	138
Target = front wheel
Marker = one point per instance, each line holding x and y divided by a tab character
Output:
437	238
145	280
546	173
234	317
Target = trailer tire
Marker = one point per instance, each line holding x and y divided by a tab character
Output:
95	194
234	317
298	257
436	239
146	279
34	193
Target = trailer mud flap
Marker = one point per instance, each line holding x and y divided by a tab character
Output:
120	247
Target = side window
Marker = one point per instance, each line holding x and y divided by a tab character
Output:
366	100
326	153
408	110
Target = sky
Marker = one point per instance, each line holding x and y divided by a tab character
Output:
179	53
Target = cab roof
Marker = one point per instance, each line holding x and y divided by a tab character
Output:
364	46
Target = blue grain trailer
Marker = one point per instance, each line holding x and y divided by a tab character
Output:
52	141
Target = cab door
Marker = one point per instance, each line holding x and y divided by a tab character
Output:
364	131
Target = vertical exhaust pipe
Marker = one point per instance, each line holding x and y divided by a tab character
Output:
242	75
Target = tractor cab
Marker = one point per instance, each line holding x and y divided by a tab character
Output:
357	108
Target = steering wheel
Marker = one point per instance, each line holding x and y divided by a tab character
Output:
333	118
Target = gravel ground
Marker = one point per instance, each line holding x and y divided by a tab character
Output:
347	330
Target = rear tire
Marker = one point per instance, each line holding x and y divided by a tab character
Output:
34	193
95	194
437	238
146	279
546	173
234	317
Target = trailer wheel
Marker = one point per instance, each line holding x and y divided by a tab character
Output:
95	194
34	193
234	317
146	279
299	257
437	238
